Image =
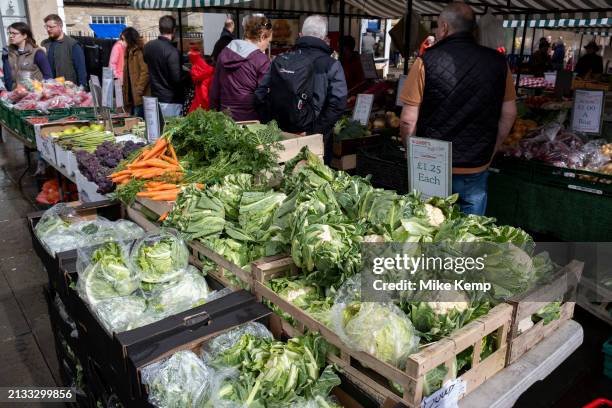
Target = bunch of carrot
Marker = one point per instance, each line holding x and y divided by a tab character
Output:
158	161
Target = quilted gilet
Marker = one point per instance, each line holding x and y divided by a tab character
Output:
463	96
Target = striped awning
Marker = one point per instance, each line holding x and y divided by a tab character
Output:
309	6
174	4
540	9
596	33
560	23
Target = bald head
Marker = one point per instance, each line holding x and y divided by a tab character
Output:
456	18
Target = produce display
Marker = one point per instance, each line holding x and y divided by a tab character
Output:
559	147
84	138
245	367
97	166
347	128
61	229
131	284
48	94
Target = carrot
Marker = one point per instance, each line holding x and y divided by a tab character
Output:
163	187
173	153
154	183
124	181
163	216
120	173
200	186
152	194
157	149
160	163
168	197
169	159
120	179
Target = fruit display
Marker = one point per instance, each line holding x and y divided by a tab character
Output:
519	130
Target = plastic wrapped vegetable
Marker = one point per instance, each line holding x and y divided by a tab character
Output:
105	273
54	228
159	257
119	314
182	381
380	329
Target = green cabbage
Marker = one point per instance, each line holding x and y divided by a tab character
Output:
161	258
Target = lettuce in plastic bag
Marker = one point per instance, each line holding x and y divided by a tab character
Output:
160	257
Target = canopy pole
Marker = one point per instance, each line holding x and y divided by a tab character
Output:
407	21
520	60
340	42
580	46
513	48
180	26
237	24
533	39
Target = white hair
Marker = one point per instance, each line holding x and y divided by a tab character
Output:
315	26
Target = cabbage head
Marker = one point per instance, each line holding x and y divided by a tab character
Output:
161	260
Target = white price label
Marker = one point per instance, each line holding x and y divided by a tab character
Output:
430	166
151	112
587	111
95	80
368	65
107	87
363	107
447	396
118	93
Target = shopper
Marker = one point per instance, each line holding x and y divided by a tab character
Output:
66	57
117	57
351	63
24	59
305	90
590	63
427	42
240	68
165	75
135	73
558	57
227	36
541	61
472	106
201	75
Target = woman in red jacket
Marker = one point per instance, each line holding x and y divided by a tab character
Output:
201	75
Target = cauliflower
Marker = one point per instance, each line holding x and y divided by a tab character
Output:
435	216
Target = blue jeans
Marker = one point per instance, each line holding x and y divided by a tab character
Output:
472	190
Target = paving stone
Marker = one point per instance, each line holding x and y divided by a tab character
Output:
43	333
23	364
12	323
15	208
23	271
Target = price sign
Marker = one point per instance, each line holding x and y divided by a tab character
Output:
400	86
430	166
363	107
587	113
151	113
107	87
95	80
368	65
118	94
447	396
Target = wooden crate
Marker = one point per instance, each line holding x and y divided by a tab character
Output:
348	162
375	379
562	286
198	249
596	299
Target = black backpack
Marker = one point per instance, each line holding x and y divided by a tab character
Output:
291	91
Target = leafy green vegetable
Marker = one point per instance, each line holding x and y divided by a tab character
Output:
347	128
256	211
197	213
160	258
106	275
381	330
548	313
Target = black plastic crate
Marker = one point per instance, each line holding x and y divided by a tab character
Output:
387	164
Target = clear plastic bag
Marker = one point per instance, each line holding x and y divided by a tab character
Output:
212	348
185	293
119	314
380	329
53	228
105	272
317	402
181	381
159	257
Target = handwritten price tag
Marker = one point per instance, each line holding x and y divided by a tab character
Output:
363	107
447	396
587	111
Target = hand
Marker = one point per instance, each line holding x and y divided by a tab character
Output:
302	134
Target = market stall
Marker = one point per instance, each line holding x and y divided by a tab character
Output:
228	258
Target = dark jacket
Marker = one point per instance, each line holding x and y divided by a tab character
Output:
67	59
32	60
463	97
589	64
135	77
223	41
240	68
165	75
330	92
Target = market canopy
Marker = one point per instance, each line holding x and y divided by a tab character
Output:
310	6
561	23
537	8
